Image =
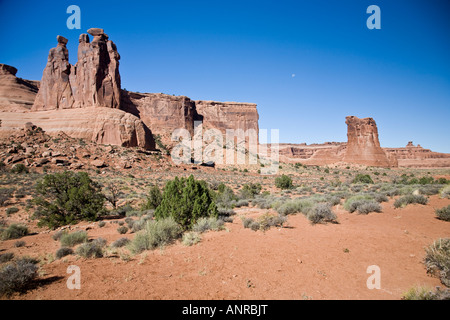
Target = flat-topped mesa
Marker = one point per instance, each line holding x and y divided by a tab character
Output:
55	91
363	146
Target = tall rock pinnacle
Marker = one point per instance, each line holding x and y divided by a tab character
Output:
363	146
93	82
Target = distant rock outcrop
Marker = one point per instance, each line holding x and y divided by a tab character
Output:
363	146
16	94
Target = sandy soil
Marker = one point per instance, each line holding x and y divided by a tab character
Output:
301	261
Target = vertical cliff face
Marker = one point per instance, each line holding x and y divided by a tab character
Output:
363	146
228	115
162	113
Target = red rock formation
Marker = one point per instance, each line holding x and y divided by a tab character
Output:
55	91
363	146
16	94
97	124
228	115
416	157
96	79
161	112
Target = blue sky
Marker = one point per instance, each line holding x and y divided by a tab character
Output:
249	51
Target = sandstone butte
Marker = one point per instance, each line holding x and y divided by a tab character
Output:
86	101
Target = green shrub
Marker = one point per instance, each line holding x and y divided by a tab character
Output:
74	238
295	206
351	204
437	260
246	222
186	201
19	168
62	252
362	178
205	224
268	220
122	229
420	293
410	199
443	213
225	197
445	192
120	243
5	195
321	213
283	182
11	210
14	231
366	207
92	249
68	197
16	277
154	198
156	234
250	190
190	238
5	257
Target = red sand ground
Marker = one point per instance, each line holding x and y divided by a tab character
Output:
302	261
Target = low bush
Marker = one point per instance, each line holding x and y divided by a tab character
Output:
424	293
120	243
156	234
93	249
362	178
295	206
205	224
74	238
437	260
11	210
267	220
443	213
410	199
16	277
122	229
445	192
366	207
62	252
190	238
351	204
14	231
5	257
250	190
283	182
19	168
321	213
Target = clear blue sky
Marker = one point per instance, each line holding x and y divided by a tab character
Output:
249	51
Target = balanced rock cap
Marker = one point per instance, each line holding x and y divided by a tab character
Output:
6	69
96	32
61	39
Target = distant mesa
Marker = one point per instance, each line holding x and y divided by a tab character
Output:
86	101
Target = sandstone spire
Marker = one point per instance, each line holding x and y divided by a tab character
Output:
55	91
363	146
